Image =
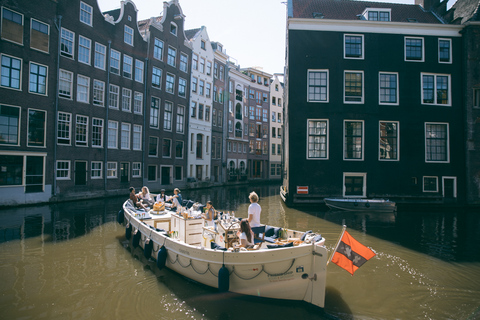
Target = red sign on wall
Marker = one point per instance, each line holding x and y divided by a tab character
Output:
302	190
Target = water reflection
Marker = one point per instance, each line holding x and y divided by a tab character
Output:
70	261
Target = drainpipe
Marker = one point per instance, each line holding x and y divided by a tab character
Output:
145	91
59	28
225	120
107	106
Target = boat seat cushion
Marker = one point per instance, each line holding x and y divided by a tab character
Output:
215	246
305	234
276	246
269	231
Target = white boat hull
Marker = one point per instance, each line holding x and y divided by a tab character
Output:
293	273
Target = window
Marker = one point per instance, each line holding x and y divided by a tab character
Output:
127	66
113	95
38	79
64	121
200	111
317	139
84	46
413	49
137	137
215	93
128	35
152	173
86	13
167	117
201	87
180	119
264	115
445	50
194	61
97	132
214	117
279	120
208	90
274	132
173	28
193	109
83	89
209	68
430	184
158	49
126	100
37	120
156	77
67	43
279	133
65	84
354	184
98	92
170	83
114	61
12	26
436	89
199	152
388	88
34	174
182	87
96	169
377	14
153	147
39	35
353	87
81	131
138	102
172	56
265	97
202	45
194	84
388	147
353	48
202	65
136	169
111	170
166	148
183	62
100	56
9	125
112	134
207	113
179	149
317	86
63	170
436	142
154	112
11	72
230	125
353	140
138	70
220	118
273	149
125	136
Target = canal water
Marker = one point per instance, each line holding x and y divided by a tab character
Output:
71	261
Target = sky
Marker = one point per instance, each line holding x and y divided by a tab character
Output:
251	31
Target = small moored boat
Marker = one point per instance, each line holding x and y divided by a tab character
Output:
284	264
360	204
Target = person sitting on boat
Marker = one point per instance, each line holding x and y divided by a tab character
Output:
161	197
176	198
245	234
145	196
135	200
254	210
209	215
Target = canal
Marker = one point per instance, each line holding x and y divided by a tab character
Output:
71	261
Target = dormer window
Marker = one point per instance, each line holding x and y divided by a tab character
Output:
374	14
173	28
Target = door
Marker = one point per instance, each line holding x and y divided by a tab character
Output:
124	171
449	189
80	173
199	173
257	169
165	175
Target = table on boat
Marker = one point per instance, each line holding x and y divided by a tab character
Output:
161	217
189	229
228	230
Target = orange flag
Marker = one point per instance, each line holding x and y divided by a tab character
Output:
351	254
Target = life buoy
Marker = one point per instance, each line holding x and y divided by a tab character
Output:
120	217
128	231
223	279
147	250
136	238
161	257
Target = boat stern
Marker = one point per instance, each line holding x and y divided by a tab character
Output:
316	290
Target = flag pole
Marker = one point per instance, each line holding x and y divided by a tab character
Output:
338	243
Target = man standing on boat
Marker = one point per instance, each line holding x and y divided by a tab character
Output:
254	210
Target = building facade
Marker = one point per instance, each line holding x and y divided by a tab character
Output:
373	103
276	126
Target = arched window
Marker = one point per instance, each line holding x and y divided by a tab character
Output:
238	129
242	167
231	167
238	111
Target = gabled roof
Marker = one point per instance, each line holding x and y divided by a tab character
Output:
144	24
464	10
189	34
351	10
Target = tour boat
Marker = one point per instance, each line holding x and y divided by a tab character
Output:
360	204
285	264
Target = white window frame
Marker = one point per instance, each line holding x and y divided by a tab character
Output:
44	128
454	185
30	77
98	170
447	147
100	56
89	12
344	87
137	102
112	140
435	75
139	70
31	36
167	82
450	51
81	143
66	81
397	89
125	134
169	57
363	139
362	54
67	122
137	137
405	49
327	135
114	66
398	140
101	121
126	100
127	64
183	63
436	184
128	35
355	174
67	170
180	81
112	170
157	48
173	30
20	72
365	13
71	34
98	89
23	24
84	50
116	93
136	167
308	85
83	96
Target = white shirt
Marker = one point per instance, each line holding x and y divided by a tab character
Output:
243	236
254	210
